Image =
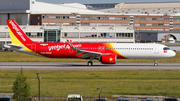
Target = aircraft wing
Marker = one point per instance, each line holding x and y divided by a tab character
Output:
84	53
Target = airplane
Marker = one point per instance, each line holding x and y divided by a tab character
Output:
106	53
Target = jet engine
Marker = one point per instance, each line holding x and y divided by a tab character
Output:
108	59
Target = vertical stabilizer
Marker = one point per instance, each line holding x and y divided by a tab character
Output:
18	37
20	41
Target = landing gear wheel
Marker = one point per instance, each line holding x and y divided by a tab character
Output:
155	64
90	63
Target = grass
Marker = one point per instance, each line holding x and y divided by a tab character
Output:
112	82
21	57
171	44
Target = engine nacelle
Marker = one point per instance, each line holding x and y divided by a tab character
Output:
108	59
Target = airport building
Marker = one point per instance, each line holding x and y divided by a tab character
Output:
151	21
44	22
126	22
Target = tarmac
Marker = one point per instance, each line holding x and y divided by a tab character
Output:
83	66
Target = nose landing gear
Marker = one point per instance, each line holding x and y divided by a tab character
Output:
155	62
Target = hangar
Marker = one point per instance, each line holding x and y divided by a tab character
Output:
152	22
126	22
45	22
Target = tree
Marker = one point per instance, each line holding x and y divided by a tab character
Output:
21	88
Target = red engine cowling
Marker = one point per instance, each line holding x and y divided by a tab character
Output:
108	59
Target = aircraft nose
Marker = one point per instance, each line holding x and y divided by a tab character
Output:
173	53
170	54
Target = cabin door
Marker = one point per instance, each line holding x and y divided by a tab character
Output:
32	47
156	49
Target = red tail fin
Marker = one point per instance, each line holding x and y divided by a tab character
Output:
18	37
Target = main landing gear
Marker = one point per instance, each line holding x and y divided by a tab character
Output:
90	63
155	62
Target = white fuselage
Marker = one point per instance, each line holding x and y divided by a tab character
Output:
143	51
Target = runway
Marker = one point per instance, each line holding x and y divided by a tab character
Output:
83	66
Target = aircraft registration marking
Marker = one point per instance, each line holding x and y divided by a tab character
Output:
45	52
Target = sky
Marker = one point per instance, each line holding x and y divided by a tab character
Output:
103	1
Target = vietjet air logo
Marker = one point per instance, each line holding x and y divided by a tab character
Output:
17	30
110	59
59	47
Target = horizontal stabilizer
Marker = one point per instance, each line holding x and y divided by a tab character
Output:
14	47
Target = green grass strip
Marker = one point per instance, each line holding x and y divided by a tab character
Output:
113	82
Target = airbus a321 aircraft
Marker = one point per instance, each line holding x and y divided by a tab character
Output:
106	53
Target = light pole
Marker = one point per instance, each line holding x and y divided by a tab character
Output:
99	90
39	78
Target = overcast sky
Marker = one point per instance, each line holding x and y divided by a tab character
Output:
103	1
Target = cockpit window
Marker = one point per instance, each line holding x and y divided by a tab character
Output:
166	48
